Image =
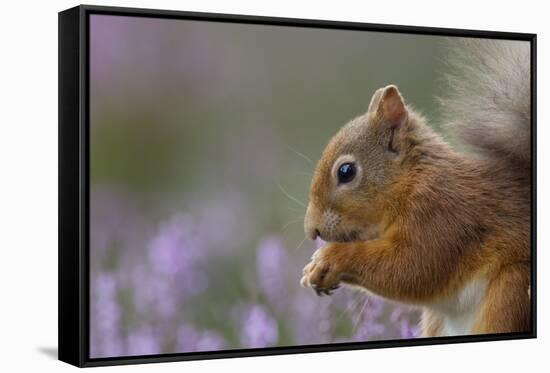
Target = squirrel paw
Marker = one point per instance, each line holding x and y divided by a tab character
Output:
320	274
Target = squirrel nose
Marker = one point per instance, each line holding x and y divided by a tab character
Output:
313	234
316	234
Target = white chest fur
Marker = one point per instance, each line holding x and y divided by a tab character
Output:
459	313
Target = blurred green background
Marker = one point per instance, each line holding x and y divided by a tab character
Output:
202	137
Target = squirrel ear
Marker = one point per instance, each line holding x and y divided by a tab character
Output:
388	106
391	106
375	100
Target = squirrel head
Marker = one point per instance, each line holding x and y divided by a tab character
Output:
361	161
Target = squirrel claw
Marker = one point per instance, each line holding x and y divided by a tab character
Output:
320	275
318	290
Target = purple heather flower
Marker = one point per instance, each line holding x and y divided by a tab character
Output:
401	317
311	318
258	328
154	294
210	341
408	330
272	263
105	317
367	319
176	255
176	247
143	341
189	339
319	242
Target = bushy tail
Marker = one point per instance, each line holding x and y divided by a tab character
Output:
488	101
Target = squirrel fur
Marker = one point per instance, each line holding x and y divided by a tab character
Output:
423	224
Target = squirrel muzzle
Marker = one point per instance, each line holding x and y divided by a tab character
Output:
311	223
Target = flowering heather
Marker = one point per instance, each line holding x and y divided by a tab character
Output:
272	264
174	292
143	341
258	328
192	242
190	339
105	317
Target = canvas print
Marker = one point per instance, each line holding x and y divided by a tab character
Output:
258	186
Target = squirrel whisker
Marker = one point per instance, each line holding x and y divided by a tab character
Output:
287	194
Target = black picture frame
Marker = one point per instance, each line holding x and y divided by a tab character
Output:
74	183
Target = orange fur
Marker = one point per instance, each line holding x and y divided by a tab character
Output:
421	222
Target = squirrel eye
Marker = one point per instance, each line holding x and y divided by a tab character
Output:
346	172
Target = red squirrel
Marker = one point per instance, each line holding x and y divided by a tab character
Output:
408	218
